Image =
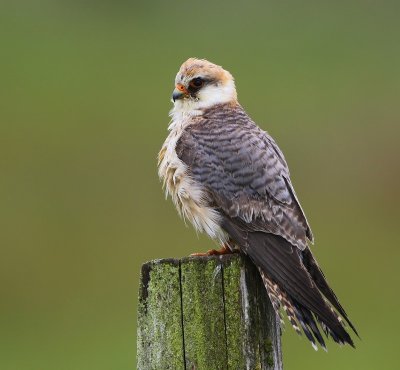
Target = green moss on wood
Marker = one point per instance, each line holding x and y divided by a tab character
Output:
160	342
233	316
240	314
203	314
206	314
269	350
270	332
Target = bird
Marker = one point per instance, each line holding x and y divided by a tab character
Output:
229	178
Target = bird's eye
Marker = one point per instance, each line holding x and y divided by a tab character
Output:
197	82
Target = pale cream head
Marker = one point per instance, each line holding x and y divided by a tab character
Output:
201	84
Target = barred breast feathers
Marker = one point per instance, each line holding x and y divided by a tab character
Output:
189	196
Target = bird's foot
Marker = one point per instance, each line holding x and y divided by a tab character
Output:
214	252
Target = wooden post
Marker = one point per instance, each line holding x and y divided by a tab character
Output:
206	313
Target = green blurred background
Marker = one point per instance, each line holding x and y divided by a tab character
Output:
84	94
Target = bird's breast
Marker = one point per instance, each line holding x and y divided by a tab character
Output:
189	196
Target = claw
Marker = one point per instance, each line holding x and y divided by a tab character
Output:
214	252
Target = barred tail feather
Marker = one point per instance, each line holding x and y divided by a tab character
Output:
298	318
279	300
319	278
295	283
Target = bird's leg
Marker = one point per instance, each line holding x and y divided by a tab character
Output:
213	252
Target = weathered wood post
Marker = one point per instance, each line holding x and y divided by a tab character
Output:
206	313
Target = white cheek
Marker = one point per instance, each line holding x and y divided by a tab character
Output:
207	97
212	94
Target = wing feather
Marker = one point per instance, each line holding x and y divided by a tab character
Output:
246	179
244	172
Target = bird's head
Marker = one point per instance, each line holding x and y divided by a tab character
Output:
201	84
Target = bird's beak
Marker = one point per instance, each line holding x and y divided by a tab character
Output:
179	92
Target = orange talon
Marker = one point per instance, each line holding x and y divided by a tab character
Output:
214	252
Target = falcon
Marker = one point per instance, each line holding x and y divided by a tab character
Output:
230	180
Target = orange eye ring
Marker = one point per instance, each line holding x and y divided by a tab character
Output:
180	87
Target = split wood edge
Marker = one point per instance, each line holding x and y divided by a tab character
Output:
206	313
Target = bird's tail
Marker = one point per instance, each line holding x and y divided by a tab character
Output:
296	284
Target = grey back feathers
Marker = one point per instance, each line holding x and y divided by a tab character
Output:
244	171
245	178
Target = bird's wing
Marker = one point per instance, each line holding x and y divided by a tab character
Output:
246	178
295	283
245	173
